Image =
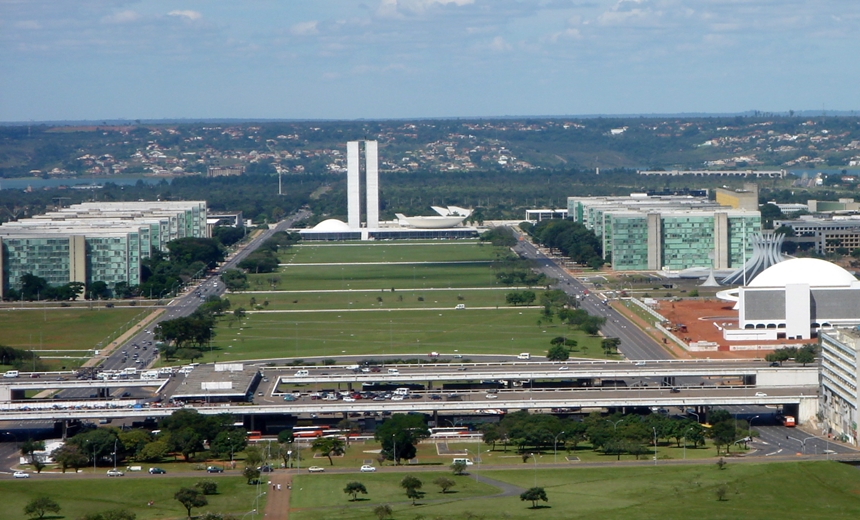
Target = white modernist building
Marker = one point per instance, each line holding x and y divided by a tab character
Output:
839	375
445	226
793	300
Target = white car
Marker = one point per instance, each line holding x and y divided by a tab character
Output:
315	469
563	368
491	396
760	394
367	468
115	473
21	474
639	364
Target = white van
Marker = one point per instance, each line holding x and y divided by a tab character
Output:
460	307
401	391
524	355
302	373
393	372
467	462
11	373
149	375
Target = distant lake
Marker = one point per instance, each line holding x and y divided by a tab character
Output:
20	183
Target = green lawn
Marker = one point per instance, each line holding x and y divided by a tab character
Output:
504	331
381	277
79	496
371	299
391	252
321	496
808	490
66	329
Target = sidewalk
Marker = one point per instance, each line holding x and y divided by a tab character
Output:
278	502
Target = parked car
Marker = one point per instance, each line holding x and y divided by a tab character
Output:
115	473
214	469
265	469
315	469
156	471
21	474
367	468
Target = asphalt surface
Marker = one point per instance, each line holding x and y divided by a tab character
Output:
635	344
183	305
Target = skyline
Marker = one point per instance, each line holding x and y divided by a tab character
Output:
401	59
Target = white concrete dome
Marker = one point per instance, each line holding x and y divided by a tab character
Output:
331	225
811	271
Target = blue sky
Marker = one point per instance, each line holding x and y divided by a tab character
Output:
348	59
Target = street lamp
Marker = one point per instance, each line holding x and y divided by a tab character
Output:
614	424
655	444
534	458
803	444
394	448
697	416
114	453
555	447
685	441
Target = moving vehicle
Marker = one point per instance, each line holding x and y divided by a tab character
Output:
760	394
788	421
302	373
21	474
315	469
393	371
11	373
156	471
459	306
115	473
524	355
214	469
465	461
367	468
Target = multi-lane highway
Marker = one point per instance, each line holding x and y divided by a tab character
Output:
123	355
635	344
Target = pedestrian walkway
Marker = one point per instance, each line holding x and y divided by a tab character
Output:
278	500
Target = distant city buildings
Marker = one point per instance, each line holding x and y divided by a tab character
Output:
225	171
94	241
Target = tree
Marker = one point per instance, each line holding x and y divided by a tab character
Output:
354	488
458	467
190	498
804	356
721	491
445	483
207	486
30	447
234	279
69	456
558	353
610	345
382	511
328	446
253	456
187	442
230	441
251	473
403	432
41	505
534	494
412	485
153	451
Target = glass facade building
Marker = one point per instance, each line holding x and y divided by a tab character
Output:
94	241
640	233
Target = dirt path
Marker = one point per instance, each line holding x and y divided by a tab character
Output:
278	501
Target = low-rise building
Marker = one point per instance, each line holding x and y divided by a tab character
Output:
839	376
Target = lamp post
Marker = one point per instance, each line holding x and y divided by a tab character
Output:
750	427
803	444
114	453
614	424
534	459
555	447
394	448
655	444
685	441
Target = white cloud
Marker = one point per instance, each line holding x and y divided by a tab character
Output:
499	45
121	17
304	28
395	8
187	13
28	24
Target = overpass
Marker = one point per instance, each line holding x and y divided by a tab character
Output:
752	373
805	398
17	388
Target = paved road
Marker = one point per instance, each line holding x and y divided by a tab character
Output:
635	344
183	305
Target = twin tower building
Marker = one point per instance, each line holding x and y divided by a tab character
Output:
371	184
